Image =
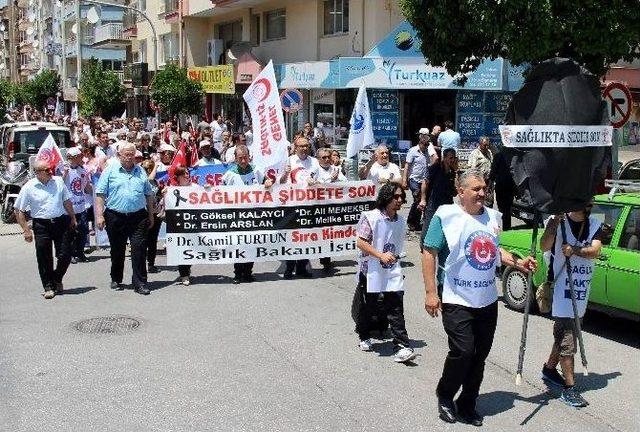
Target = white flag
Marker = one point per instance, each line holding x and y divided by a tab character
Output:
74	112
50	153
269	147
361	132
124	115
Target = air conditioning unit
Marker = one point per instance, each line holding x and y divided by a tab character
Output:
215	49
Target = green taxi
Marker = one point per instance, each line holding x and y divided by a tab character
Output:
615	287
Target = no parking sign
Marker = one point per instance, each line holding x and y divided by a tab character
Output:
291	100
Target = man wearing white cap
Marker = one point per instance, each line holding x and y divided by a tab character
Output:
423	133
78	182
167	152
208	158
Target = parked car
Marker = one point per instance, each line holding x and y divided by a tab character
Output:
21	140
615	287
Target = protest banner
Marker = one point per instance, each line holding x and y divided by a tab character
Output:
202	175
231	224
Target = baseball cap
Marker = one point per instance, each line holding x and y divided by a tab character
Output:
204	143
423	131
166	147
74	151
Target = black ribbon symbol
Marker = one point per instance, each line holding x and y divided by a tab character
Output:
176	192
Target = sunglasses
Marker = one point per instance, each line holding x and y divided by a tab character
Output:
396	196
325	157
42	170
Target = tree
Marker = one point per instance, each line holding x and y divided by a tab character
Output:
458	34
101	92
6	96
36	91
175	93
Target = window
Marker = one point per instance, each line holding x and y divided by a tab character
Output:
255	30
230	32
608	215
336	17
142	52
275	24
169	47
631	233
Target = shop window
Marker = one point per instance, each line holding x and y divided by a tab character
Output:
336	17
169	47
275	24
230	32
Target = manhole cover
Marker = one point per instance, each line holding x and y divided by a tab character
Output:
107	325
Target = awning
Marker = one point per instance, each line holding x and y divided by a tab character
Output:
247	68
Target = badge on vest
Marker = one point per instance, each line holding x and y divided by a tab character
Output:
481	250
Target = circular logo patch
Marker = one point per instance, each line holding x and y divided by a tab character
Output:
76	186
481	249
388	247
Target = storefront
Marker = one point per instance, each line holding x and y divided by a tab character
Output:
405	94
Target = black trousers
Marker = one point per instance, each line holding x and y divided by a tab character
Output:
80	239
132	227
470	332
300	266
184	270
152	240
413	219
54	233
369	311
241	270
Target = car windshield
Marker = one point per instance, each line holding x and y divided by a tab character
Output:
631	171
29	141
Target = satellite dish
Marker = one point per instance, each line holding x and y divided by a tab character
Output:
74	28
35	43
30	31
93	16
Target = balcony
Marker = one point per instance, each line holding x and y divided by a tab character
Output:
110	36
171	14
129	24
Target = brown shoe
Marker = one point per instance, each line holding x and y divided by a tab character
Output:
49	294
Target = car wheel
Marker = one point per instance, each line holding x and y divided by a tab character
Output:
514	289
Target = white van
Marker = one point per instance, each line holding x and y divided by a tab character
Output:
21	140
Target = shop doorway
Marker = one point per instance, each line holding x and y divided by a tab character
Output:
425	108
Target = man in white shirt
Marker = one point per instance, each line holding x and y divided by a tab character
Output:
54	224
301	169
217	127
104	150
207	154
328	173
78	182
379	169
449	138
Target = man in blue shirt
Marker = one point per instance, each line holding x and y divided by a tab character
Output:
123	196
449	138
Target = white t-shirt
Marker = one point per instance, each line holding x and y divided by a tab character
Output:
108	152
326	175
76	182
216	130
205	162
388	172
234	178
302	170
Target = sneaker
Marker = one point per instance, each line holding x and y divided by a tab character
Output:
552	376
366	345
186	281
571	397
288	275
404	355
49	294
116	286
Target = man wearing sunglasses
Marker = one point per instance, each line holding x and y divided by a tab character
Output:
54	223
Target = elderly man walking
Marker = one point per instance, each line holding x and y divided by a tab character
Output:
125	202
54	222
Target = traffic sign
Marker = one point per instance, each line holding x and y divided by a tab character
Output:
291	100
619	102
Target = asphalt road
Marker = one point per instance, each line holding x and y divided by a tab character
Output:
274	355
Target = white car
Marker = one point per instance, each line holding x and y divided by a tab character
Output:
21	140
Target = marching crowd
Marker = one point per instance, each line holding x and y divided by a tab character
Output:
452	209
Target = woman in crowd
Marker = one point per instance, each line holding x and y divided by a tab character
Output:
336	160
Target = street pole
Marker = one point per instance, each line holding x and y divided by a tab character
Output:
78	45
153	31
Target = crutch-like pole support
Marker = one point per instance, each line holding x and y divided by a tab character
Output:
527	304
574	304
